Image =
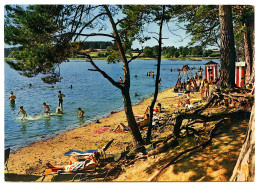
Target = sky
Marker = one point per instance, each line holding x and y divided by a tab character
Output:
174	36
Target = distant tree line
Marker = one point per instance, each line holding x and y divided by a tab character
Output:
150	52
173	52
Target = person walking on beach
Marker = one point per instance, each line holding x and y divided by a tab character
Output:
80	113
188	88
202	89
60	96
23	113
46	108
12	97
207	88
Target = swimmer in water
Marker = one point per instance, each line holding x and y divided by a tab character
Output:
12	97
80	112
46	108
60	96
23	112
58	111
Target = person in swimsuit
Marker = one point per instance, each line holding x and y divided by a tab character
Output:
76	165
46	108
207	88
23	112
60	96
80	112
12	97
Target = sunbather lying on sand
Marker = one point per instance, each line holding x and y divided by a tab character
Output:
76	165
121	128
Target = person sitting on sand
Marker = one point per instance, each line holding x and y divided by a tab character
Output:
158	108
144	122
23	113
12	97
46	108
58	111
121	128
76	165
80	113
180	104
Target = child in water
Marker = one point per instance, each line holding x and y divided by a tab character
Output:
23	112
60	96
80	112
46	108
12	97
58	111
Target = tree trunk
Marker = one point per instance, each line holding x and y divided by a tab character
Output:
245	167
248	52
252	80
148	137
227	50
126	85
131	119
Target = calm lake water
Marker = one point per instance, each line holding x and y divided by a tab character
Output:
94	94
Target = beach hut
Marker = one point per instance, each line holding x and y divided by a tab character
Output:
211	71
240	74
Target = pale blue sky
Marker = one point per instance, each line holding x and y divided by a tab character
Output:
173	35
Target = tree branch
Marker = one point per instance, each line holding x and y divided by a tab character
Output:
135	57
105	75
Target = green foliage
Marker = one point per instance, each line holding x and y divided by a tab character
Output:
177	54
201	22
94	45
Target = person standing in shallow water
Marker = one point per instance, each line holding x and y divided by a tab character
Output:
12	97
60	96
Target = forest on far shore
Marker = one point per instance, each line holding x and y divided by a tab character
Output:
101	49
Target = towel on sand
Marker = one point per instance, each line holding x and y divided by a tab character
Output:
100	130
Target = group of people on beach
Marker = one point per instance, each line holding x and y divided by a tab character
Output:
47	111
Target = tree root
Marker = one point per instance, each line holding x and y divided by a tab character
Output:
202	146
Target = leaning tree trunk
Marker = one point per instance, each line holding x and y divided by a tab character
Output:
227	50
245	167
131	119
138	140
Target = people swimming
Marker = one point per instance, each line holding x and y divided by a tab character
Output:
12	97
60	96
46	108
80	112
52	87
58	110
23	113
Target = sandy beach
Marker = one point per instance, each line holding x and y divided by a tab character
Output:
32	159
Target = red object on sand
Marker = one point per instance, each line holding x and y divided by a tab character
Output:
100	130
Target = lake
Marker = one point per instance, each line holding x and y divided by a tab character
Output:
90	91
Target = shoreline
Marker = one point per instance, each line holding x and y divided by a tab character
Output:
87	122
31	159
